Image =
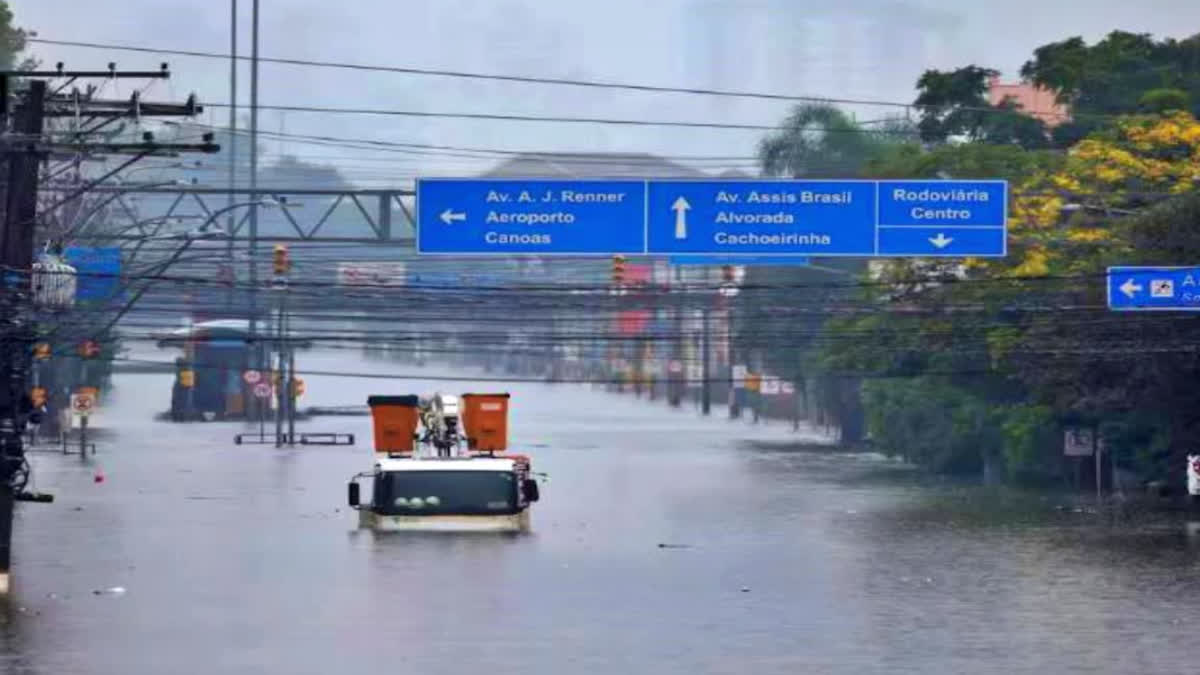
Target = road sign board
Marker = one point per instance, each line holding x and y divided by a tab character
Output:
760	260
530	216
1151	289
828	218
1078	442
372	273
262	390
82	405
252	377
713	217
98	271
770	386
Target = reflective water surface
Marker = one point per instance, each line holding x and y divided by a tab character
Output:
664	543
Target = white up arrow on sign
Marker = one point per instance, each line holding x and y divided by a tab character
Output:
681	207
449	216
940	241
1129	288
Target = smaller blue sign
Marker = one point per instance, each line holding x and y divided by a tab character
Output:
98	272
1154	289
747	260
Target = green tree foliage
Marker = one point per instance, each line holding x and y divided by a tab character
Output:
816	141
822	141
12	41
1158	101
954	104
1115	76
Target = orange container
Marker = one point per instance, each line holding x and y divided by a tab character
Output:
395	419
485	419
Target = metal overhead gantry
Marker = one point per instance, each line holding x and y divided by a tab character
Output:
343	216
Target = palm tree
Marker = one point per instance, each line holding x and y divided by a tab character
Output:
821	141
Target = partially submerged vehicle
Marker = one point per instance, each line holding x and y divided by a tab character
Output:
441	465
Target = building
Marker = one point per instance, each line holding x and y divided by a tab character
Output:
1033	100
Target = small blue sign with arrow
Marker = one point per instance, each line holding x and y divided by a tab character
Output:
1151	289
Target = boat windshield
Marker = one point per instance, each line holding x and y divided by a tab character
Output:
427	493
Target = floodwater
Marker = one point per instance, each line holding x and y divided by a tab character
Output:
244	559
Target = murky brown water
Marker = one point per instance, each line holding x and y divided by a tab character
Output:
244	560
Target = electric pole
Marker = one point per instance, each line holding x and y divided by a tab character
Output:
24	148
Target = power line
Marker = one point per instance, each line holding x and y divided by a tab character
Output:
326	110
594	84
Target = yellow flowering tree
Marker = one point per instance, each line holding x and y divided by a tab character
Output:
1061	220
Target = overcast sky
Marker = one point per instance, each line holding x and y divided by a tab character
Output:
861	49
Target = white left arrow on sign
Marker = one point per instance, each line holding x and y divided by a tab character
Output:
1130	288
449	216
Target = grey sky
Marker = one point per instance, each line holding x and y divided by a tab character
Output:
871	49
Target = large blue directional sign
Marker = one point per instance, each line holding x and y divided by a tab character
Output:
1150	289
713	217
530	216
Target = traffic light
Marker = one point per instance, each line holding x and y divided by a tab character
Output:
281	262
89	349
618	269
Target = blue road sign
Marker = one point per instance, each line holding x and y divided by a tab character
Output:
713	217
98	270
530	216
1154	289
751	260
828	218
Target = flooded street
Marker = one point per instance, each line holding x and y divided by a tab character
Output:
245	559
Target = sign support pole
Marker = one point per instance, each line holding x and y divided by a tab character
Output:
706	384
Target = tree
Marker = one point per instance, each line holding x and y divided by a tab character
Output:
1114	77
822	141
954	104
12	41
1028	337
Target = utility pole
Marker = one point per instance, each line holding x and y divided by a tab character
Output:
281	388
20	218
256	347
22	152
281	265
233	91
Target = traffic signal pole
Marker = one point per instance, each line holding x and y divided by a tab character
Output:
283	394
